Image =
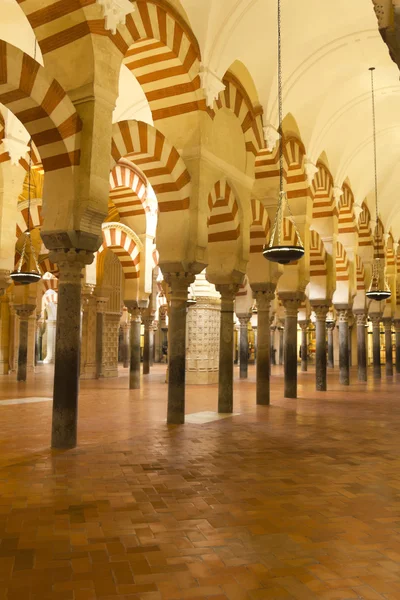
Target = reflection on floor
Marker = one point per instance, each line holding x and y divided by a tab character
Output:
297	500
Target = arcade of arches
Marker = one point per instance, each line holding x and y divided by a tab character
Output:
139	148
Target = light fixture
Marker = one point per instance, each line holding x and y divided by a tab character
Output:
275	251
379	289
20	276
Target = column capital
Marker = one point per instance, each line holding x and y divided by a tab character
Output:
304	325
5	280
24	311
397	325
134	310
264	295
343	314
101	304
361	317
71	262
387	321
179	283
291	302
228	291
321	309
147	321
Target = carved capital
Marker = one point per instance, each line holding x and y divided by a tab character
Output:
264	295
387	321
343	314
70	264
24	311
115	13
321	310
361	319
179	284
376	319
228	291
211	84
397	325
304	325
244	321
291	302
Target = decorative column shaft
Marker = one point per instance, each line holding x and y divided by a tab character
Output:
134	363
147	348
361	346
321	310
264	297
291	302
244	346
376	344
125	344
397	330
388	346
225	386
304	345
344	367
66	372
101	304
24	311
178	283
331	359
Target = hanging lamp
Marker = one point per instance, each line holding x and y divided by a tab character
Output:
379	289
20	276
275	250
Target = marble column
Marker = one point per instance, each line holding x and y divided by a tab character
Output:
344	367
152	339
68	336
321	310
51	341
291	302
125	344
388	346
351	323
361	345
281	330
134	354
263	295
272	329
376	344
331	360
244	346
178	283
101	304
397	330
225	382
23	311
304	345
147	348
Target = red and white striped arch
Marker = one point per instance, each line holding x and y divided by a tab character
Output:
259	227
390	258
160	162
342	263
360	274
317	256
236	99
42	106
296	178
347	222
123	242
49	283
379	249
322	190
36	219
47	266
128	191
223	221
364	227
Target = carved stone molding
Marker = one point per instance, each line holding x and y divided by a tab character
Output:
115	12
291	302
70	264
271	137
211	84
179	284
24	311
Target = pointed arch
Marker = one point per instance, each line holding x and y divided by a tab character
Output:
322	190
342	264
157	158
317	256
360	272
128	191
223	220
126	245
346	211
390	258
364	227
36	220
296	178
259	227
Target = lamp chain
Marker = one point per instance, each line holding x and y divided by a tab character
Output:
372	69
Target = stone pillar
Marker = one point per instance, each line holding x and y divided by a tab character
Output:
281	330
125	344
178	283
101	304
397	330
244	346
5	335
331	360
225	385
23	311
68	334
272	329
361	345
51	341
147	349
152	346
291	302
388	346
134	362
304	345
88	336
344	370
321	310
376	341
263	296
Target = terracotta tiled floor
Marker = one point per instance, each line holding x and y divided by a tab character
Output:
298	500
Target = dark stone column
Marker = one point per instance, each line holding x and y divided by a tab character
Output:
388	346
361	345
134	359
321	310
291	302
225	384
178	283
281	329
344	370
376	342
68	337
24	311
126	344
244	346
351	323
100	319
397	330
272	329
264	295
152	336
331	359
304	345
147	348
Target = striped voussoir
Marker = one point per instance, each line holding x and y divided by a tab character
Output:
360	274
42	106
36	160
342	263
125	247
223	221
47	266
36	219
364	227
317	256
289	232
296	179
390	258
147	148
51	287
243	288
267	165
347	222
128	191
236	99
322	191
259	227
379	246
